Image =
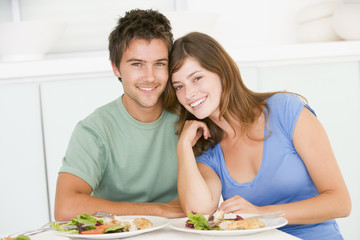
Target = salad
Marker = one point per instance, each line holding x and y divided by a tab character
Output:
199	222
20	237
87	224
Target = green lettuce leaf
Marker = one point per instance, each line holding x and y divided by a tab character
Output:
113	229
83	219
22	237
199	221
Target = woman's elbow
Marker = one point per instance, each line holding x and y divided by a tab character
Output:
344	208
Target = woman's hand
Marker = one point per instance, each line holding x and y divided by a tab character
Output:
193	130
238	204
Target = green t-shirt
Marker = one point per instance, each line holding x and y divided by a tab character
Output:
123	159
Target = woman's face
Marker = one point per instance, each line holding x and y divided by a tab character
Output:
197	89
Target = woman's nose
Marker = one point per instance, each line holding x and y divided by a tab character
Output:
190	92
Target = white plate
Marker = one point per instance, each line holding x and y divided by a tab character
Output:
270	223
158	222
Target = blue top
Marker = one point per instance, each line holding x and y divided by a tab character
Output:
282	177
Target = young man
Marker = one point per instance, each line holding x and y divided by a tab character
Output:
121	159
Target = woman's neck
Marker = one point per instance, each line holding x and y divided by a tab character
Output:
229	131
232	128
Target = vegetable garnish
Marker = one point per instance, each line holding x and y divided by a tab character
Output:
79	224
199	222
22	237
87	224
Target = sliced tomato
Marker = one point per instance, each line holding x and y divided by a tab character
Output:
94	231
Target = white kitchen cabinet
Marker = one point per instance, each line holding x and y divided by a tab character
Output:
64	104
23	185
333	91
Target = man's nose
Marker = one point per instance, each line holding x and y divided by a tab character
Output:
149	74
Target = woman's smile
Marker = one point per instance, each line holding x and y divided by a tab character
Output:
195	104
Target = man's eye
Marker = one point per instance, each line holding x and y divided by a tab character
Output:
136	64
160	64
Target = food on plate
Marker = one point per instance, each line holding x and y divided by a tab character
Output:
199	222
244	224
20	237
142	223
87	224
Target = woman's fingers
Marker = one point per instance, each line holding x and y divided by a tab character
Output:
193	130
238	204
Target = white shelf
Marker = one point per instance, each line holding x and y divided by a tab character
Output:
60	65
90	63
306	53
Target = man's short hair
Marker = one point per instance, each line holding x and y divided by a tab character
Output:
139	24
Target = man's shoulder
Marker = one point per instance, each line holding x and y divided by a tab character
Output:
103	113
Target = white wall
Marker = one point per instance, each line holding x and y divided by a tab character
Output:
254	23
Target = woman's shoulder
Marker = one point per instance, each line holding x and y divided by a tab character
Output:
284	98
283	102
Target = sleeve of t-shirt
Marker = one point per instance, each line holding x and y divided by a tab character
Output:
209	158
288	108
85	155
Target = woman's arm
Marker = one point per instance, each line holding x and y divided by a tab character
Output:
313	146
199	186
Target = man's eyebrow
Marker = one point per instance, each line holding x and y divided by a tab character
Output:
140	60
134	60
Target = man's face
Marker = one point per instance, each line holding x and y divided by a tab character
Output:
144	73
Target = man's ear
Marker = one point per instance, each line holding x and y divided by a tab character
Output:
116	71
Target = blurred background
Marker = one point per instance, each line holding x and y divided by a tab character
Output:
54	71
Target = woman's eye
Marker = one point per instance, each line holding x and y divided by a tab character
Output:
197	79
177	87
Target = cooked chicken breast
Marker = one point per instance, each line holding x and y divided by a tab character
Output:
142	223
249	223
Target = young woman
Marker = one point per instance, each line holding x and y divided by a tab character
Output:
264	152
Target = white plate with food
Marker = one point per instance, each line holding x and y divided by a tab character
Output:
269	223
156	224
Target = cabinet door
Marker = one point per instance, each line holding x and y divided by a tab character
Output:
64	104
333	91
22	173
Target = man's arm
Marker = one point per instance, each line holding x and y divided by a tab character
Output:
73	198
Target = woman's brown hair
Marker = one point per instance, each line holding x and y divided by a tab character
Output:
237	101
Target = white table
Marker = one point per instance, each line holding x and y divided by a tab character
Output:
170	234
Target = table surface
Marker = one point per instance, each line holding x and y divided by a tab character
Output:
168	233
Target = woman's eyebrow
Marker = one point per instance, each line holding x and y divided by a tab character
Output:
191	74
187	77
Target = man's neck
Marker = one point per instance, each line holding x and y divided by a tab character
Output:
144	114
